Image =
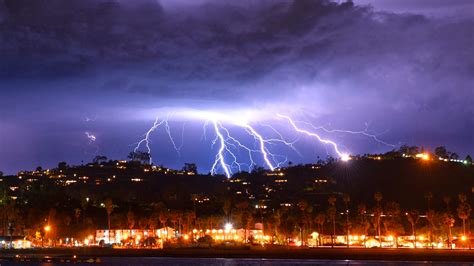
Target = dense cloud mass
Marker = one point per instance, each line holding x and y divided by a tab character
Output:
337	63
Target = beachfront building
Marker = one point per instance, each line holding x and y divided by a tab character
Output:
16	242
228	233
134	236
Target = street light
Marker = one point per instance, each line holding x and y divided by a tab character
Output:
47	228
228	226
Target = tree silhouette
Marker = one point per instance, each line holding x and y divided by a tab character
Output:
320	219
99	159
109	207
468	159
346	198
62	166
429	198
393	212
227	208
378	214
448	221
413	217
447	201
365	225
430	217
245	216
139	156
441	152
163	217
332	215
190	167
464	211
130	219
77	214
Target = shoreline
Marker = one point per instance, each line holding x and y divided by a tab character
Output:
268	253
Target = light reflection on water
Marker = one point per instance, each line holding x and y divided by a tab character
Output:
142	261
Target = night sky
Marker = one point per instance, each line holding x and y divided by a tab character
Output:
400	69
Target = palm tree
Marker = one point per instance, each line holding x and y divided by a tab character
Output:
429	198
130	219
277	219
227	208
413	217
84	205
393	212
109	207
346	200
153	222
245	217
163	217
320	219
430	217
447	200
305	208
77	214
213	221
448	220
362	211
189	217
332	214
378	213
464	211
11	230
174	216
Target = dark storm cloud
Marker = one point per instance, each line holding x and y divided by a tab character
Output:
342	63
186	50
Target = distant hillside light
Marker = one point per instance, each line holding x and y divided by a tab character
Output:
345	157
423	156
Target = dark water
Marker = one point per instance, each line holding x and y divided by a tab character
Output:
138	261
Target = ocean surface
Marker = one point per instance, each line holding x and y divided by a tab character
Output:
138	261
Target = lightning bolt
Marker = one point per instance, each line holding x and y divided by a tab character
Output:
226	159
220	153
146	138
156	124
364	132
231	141
227	142
90	136
343	156
262	146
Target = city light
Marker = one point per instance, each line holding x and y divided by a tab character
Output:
423	156
228	226
345	157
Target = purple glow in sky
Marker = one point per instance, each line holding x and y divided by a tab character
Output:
403	70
